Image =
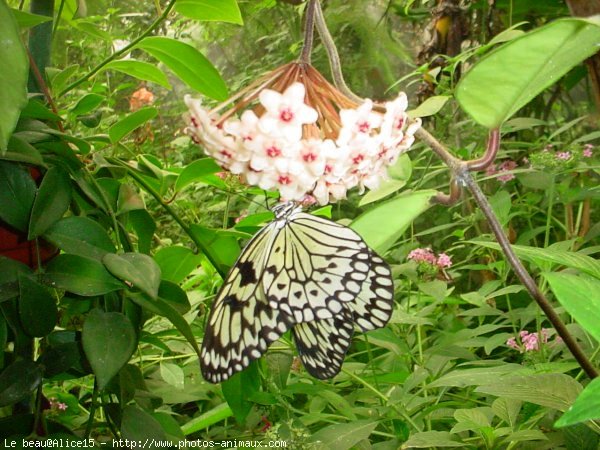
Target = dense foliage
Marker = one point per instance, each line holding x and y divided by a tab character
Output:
116	230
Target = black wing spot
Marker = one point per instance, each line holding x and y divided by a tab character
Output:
233	302
298	294
281	286
247	273
332	265
327	280
314	292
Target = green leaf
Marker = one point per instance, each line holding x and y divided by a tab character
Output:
9	276
386	188
139	426
223	248
80	236
343	436
108	341
238	389
172	374
509	77
215	415
37	307
51	202
87	104
580	295
196	171
18	381
429	107
381	226
20	150
143	224
164	309
553	390
27	20
431	439
586	407
135	268
140	70
17	192
477	376
59	358
172	294
81	276
176	262
210	10
126	125
129	199
13	76
188	64
538	256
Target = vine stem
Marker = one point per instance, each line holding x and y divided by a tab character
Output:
93	406
461	171
309	26
123	51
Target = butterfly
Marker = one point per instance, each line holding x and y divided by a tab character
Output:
300	272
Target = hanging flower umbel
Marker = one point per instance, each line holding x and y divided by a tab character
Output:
293	131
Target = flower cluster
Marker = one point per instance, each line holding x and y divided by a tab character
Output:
530	342
55	405
284	143
553	160
504	169
427	257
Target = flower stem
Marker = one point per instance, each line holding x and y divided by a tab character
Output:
309	26
121	52
93	406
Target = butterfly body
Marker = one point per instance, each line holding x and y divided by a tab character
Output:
299	272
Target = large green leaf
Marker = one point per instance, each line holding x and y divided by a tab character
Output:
222	247
512	75
108	341
238	389
381	226
18	381
139	69
196	171
17	192
213	10
343	436
81	276
554	390
37	307
432	439
51	202
551	255
136	269
80	236
13	75
28	20
580	295
176	262
188	64
137	425
586	407
129	123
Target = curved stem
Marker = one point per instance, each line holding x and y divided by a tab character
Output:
524	276
461	169
309	26
490	152
123	51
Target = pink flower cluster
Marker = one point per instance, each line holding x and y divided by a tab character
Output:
426	255
57	406
529	341
588	151
273	150
505	169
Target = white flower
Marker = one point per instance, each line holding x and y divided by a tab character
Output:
286	113
358	123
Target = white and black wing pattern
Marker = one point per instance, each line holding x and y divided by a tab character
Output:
322	344
324	266
374	304
241	324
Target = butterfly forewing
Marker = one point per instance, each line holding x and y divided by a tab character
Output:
241	324
316	266
322	344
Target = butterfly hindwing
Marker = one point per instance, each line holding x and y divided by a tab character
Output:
322	344
373	306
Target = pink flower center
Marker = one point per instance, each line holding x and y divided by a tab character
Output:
328	168
399	123
309	157
358	158
286	115
273	151
364	127
284	179
226	153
